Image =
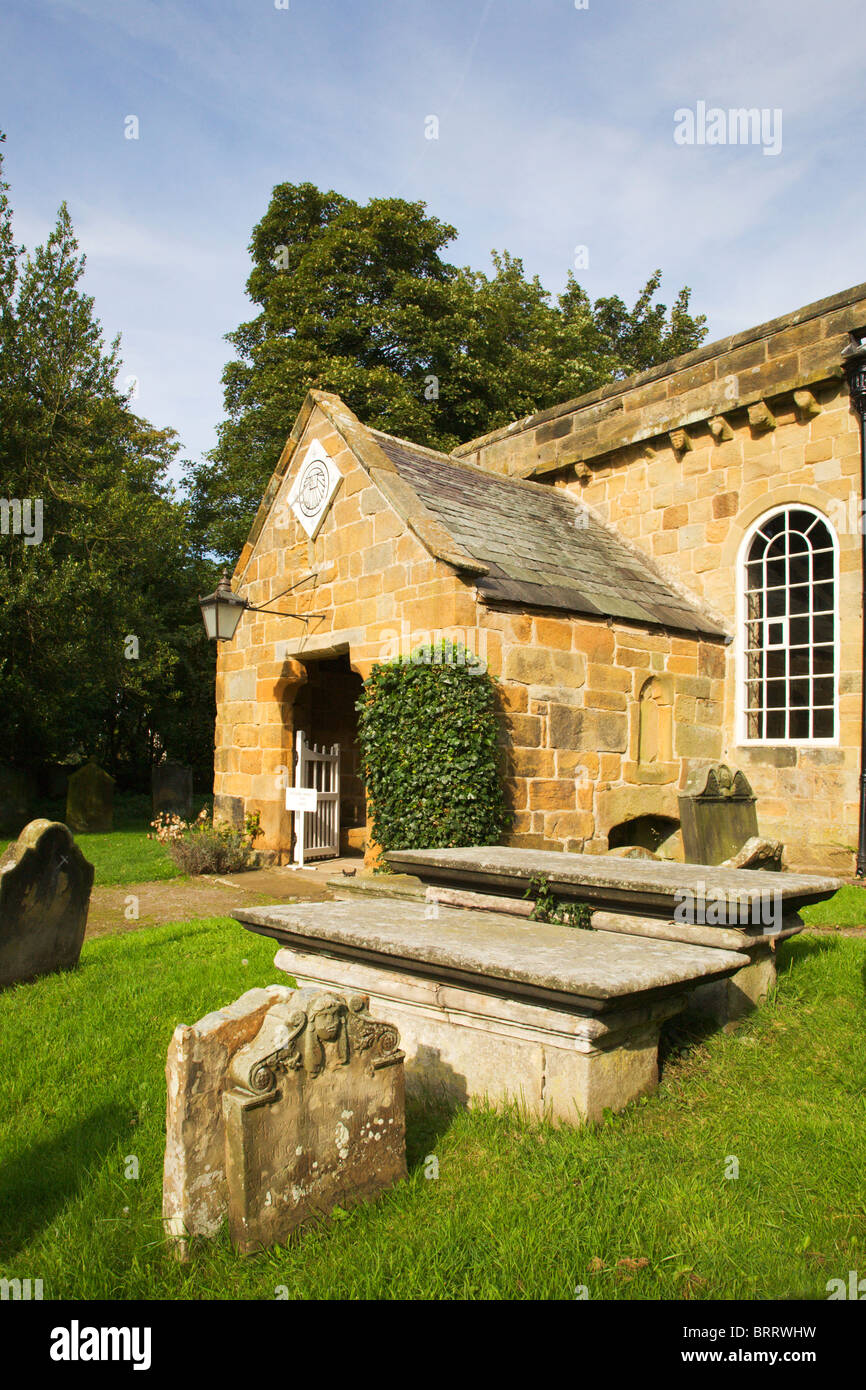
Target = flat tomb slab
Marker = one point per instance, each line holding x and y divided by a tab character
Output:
464	1046
636	885
517	958
494	1008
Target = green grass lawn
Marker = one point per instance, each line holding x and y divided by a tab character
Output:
124	854
847	908
636	1208
127	856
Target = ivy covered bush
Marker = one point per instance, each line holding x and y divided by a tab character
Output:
427	730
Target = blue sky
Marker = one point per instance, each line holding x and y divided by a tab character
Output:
555	130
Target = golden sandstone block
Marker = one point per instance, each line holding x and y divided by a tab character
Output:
759	444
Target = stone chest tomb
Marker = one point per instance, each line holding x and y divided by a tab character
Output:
566	1021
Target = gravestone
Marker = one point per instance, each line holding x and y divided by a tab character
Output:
717	814
90	800
17	794
45	884
283	1105
171	789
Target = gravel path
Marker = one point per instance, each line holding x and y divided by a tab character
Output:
134	905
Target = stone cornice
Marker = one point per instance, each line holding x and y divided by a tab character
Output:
775	359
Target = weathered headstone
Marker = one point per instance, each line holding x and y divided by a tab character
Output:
717	814
17	794
171	789
90	800
194	1180
280	1107
45	884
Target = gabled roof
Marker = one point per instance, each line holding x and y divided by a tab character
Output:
520	542
540	546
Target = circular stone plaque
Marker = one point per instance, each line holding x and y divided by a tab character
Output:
313	487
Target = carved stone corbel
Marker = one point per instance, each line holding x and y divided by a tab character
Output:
761	417
806	404
680	441
720	429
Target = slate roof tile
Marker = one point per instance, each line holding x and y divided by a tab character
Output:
542	547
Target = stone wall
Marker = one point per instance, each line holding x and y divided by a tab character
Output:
682	460
596	718
600	723
375	585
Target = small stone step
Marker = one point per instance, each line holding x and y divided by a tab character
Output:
404	886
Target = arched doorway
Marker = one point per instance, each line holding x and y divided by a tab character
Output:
324	710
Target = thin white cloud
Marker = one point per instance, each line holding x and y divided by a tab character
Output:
556	130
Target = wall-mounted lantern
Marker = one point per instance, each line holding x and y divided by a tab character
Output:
222	610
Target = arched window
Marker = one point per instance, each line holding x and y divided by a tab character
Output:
788	629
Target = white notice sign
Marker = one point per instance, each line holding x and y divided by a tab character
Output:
301	798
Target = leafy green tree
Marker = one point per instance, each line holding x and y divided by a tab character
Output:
347	296
605	341
498	362
100	648
358	300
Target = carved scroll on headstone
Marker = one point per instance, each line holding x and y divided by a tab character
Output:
45	884
280	1107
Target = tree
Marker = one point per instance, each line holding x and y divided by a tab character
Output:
358	300
605	341
347	295
499	360
100	650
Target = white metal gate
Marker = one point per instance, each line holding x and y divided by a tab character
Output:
317	831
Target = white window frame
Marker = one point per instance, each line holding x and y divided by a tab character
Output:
741	672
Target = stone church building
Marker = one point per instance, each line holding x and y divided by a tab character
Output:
662	574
